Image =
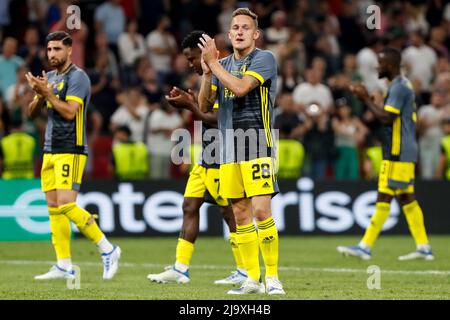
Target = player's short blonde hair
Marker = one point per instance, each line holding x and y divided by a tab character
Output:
246	12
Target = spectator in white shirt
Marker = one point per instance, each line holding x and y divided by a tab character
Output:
418	60
367	64
132	113
430	133
131	44
162	47
162	123
313	91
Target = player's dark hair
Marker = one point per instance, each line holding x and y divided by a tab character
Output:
60	36
393	55
192	39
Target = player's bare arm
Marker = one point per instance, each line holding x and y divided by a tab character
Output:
66	109
239	86
360	91
181	99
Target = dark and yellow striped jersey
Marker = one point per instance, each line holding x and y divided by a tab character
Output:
61	135
245	123
400	143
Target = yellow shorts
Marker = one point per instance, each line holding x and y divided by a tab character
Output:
396	177
204	182
62	171
248	178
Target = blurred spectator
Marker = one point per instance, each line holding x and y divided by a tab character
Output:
313	91
289	77
16	90
162	46
103	90
278	33
367	63
416	20
292	125
131	46
17	153
149	86
162	123
430	134
33	53
294	50
130	157
349	133
437	42
318	142
177	77
9	63
102	50
350	68
443	170
131	113
339	85
110	19
37	11
419	60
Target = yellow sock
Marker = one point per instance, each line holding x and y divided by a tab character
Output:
247	240
414	216
376	223
60	227
236	252
83	220
268	242
184	252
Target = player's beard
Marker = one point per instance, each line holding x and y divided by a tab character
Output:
55	63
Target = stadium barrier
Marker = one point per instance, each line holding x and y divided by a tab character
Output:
153	208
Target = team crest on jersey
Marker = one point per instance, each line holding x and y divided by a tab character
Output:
60	85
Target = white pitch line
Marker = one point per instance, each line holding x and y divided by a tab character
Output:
225	267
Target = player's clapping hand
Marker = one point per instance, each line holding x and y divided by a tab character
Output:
38	84
181	99
360	91
209	49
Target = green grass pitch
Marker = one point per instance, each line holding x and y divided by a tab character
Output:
310	268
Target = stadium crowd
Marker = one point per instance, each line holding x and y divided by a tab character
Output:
132	54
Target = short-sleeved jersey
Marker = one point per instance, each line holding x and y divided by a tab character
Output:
61	135
252	111
400	143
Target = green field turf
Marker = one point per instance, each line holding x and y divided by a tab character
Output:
310	268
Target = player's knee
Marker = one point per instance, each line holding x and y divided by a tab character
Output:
406	198
190	208
261	213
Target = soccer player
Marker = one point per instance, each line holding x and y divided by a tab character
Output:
65	92
201	186
400	152
244	84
